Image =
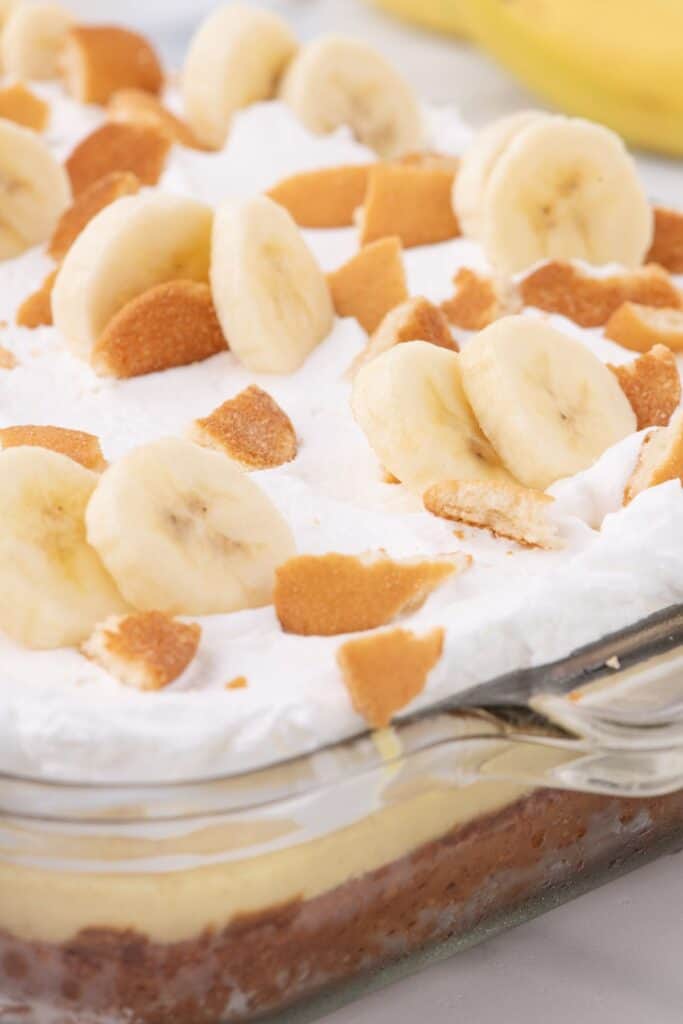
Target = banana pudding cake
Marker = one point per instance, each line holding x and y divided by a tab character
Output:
314	412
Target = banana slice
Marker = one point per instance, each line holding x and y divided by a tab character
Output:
33	38
411	406
34	190
183	530
478	163
565	189
338	81
271	296
548	406
236	58
55	587
132	245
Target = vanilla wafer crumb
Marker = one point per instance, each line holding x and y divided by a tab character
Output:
136	148
640	327
239	683
416	319
7	359
98	60
370	284
75	444
506	510
172	324
652	385
475	303
251	428
326	595
562	287
36	310
660	459
667	245
19	104
325	198
135	106
146	651
384	672
87	205
410	202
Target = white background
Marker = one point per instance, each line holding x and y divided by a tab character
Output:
613	956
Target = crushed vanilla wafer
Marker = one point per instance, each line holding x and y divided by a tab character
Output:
135	106
640	327
652	385
89	203
370	284
326	595
475	304
383	673
19	104
430	158
251	428
416	319
667	245
413	203
136	148
239	683
75	444
145	651
660	459
172	324
36	310
506	510
326	198
98	60
8	360
560	287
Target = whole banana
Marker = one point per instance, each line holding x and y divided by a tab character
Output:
617	61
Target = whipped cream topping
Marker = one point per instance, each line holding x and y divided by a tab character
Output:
61	717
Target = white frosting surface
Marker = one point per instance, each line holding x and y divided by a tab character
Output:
62	717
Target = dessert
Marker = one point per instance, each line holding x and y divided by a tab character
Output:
264	510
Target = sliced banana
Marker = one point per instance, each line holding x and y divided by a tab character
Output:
478	162
54	587
32	40
411	406
548	406
184	530
134	244
236	58
338	81
34	190
271	296
564	189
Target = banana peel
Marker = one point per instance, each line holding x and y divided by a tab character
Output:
619	62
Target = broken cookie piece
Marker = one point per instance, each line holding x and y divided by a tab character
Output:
371	284
75	444
36	310
98	60
667	246
326	595
506	510
136	148
327	198
652	385
251	428
416	319
411	202
660	459
475	304
561	287
89	203
146	651
135	106
172	324
19	104
639	327
385	672
7	359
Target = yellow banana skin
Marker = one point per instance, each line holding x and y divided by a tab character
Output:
615	61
